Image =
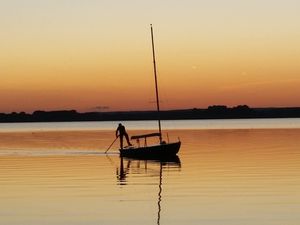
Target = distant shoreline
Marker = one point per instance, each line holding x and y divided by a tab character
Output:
212	112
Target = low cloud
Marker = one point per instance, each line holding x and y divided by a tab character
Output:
101	108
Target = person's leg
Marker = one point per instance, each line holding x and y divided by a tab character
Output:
127	139
121	141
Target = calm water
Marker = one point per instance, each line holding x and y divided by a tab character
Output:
238	173
169	124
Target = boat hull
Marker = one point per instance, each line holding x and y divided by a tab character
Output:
152	152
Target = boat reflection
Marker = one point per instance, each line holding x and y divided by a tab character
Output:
142	166
132	166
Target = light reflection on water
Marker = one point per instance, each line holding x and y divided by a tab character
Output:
226	177
282	123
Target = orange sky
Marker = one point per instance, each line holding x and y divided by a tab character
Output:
80	55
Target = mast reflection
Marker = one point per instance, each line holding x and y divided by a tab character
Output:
130	166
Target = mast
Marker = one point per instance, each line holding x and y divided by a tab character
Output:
156	88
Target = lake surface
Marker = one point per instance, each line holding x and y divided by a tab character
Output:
228	172
168	124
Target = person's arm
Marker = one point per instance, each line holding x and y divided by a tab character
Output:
117	131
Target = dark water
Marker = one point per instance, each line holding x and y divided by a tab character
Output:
221	176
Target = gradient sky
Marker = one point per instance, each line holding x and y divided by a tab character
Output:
72	54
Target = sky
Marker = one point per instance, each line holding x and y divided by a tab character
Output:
96	54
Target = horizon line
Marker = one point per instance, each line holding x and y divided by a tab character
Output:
151	110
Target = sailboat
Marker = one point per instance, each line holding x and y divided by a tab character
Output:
161	150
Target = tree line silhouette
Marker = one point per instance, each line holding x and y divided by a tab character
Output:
212	112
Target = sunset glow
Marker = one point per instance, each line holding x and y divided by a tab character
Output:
83	55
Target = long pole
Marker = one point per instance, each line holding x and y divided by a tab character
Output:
156	88
111	145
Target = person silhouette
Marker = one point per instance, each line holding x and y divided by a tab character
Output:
121	132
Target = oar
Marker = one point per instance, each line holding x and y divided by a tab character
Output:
111	144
